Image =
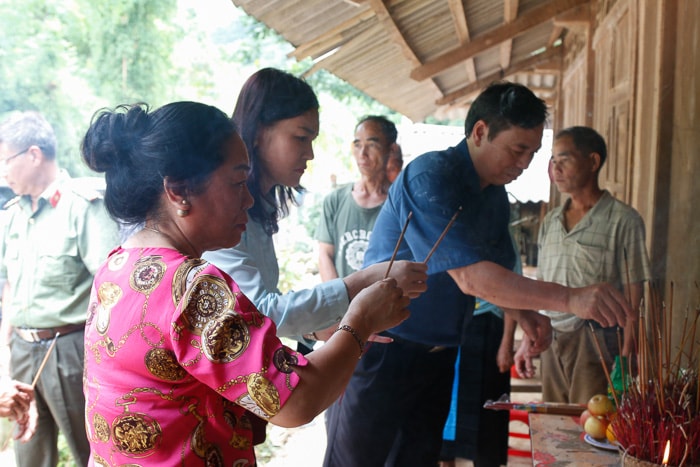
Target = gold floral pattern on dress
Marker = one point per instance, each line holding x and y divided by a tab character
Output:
91	311
108	295
117	260
262	398
253	316
225	338
207	298
145	416
136	434
184	275
284	360
101	427
244	422
240	442
213	457
163	364
110	348
199	443
147	274
99	461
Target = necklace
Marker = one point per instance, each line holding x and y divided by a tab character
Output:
152	229
171	242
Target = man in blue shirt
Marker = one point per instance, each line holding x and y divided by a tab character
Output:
394	408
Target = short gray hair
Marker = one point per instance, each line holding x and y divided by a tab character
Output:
24	129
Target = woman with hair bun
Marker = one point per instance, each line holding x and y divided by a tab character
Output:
179	363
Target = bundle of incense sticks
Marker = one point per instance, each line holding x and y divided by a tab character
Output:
659	404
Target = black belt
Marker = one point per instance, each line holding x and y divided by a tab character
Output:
38	335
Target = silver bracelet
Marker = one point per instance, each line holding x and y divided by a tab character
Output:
351	330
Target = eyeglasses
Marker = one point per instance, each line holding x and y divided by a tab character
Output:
8	159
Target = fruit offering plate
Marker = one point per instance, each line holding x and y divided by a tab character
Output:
600	443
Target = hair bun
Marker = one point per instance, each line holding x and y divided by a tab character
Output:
113	136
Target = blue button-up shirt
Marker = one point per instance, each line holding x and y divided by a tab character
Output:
434	186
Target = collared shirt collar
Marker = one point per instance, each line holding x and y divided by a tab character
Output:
473	182
52	194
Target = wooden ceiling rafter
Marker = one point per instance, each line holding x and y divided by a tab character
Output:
485	41
510	12
428	57
459	19
580	15
550	57
555	35
384	17
355	2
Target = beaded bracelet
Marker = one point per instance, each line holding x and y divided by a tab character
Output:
351	330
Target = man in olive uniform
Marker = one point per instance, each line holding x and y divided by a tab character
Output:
55	237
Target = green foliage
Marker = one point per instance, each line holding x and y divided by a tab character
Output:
65	458
36	68
68	59
251	43
128	53
435	121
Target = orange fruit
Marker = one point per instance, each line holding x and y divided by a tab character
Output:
609	434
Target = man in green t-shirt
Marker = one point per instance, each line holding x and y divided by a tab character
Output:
349	211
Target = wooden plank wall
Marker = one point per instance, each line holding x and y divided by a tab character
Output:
639	71
614	43
683	260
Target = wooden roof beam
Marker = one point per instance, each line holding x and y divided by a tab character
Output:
555	35
459	19
578	16
551	55
485	41
510	12
333	38
384	17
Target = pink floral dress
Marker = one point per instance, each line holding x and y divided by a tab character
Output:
177	361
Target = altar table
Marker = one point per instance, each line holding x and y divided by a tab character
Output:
558	441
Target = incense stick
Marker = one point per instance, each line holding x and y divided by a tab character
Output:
442	235
398	243
605	367
46	358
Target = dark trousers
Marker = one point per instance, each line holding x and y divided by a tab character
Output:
480	434
393	410
59	398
